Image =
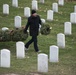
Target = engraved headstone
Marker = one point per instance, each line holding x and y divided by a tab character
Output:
27	12
67	28
20	52
55	7
42	62
54	54
6	9
61	2
5	58
49	15
73	18
15	3
61	40
17	22
34	5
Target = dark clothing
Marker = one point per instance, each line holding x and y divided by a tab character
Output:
34	39
33	24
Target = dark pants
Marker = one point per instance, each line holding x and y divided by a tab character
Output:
33	40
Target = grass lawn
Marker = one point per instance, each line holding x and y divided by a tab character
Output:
28	65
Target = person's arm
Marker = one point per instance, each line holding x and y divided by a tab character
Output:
26	27
40	21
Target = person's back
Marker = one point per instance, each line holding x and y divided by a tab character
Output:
34	21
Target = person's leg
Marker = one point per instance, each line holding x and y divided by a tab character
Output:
35	43
29	42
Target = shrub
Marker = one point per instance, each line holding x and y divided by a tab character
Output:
45	29
5	36
13	35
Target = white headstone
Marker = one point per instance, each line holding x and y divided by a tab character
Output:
5	28
20	52
5	58
34	5
17	22
61	40
67	28
61	2
41	1
15	3
73	18
43	21
55	7
42	62
49	15
27	12
54	54
5	9
75	8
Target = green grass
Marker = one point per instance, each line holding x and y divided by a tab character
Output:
67	56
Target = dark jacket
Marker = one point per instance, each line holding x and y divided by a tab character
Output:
33	24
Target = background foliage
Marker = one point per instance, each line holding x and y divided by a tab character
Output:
13	35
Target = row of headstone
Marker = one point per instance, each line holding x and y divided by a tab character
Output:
61	36
73	16
34	3
17	21
5	55
27	11
34	6
15	4
6	10
50	13
43	58
20	53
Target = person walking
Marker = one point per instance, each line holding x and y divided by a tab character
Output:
33	24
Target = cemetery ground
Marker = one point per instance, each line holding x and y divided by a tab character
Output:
28	65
